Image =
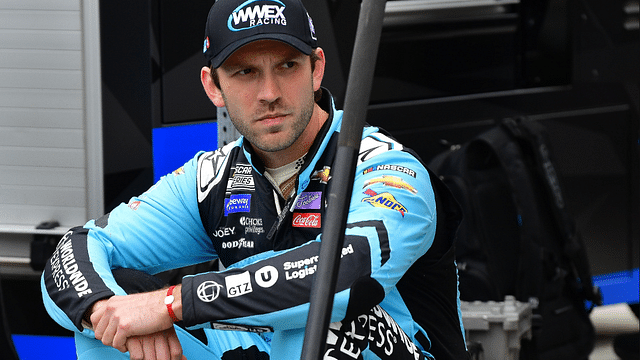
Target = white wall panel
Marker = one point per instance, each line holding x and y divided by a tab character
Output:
40	98
35	176
41	79
40	20
42	138
40	39
40	5
38	58
49	104
42	118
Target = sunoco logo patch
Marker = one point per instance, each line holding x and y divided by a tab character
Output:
384	200
254	13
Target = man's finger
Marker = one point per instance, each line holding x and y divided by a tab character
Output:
99	324
109	332
134	345
119	338
162	346
148	344
174	345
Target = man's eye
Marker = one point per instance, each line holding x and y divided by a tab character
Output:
244	71
289	64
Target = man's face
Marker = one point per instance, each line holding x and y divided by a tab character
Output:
267	88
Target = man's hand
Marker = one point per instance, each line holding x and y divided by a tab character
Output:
163	345
138	320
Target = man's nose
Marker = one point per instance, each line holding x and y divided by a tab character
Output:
270	90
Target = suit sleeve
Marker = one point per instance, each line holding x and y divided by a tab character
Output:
391	223
147	234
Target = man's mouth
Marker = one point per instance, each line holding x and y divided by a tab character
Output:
272	119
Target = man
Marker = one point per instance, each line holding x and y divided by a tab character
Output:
257	206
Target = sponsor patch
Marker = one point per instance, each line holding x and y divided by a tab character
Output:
393	181
224	231
376	144
237	244
241	179
241	183
375	331
309	201
384	200
205	45
306	220
323	175
398	168
255	13
238	285
209	166
65	270
266	276
301	268
237	203
208	291
312	28
242	169
178	171
236	327
134	205
252	225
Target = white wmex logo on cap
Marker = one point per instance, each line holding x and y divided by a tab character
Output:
251	16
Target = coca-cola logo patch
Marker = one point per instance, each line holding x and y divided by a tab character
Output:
307	220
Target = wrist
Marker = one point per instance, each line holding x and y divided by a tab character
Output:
173	302
86	318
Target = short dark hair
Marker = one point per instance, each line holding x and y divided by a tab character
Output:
313	58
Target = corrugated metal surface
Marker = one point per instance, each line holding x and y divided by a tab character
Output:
44	117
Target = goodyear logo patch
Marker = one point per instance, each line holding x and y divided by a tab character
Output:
384	200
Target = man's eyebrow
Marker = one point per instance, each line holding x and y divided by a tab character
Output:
235	66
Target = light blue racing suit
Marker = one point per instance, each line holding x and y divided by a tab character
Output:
397	288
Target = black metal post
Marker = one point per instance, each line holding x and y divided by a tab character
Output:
355	110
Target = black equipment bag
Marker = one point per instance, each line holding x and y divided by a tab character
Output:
516	237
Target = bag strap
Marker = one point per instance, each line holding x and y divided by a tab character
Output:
510	157
530	132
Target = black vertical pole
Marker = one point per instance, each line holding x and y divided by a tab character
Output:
355	110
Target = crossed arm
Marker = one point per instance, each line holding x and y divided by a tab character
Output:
140	324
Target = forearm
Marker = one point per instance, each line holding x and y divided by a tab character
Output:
70	282
176	304
120	318
270	291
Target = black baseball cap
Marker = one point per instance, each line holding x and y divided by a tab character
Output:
234	23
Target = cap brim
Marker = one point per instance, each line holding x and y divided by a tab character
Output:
286	38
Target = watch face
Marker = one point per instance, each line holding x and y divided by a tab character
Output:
168	300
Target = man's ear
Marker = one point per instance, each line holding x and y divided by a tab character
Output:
318	71
213	92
